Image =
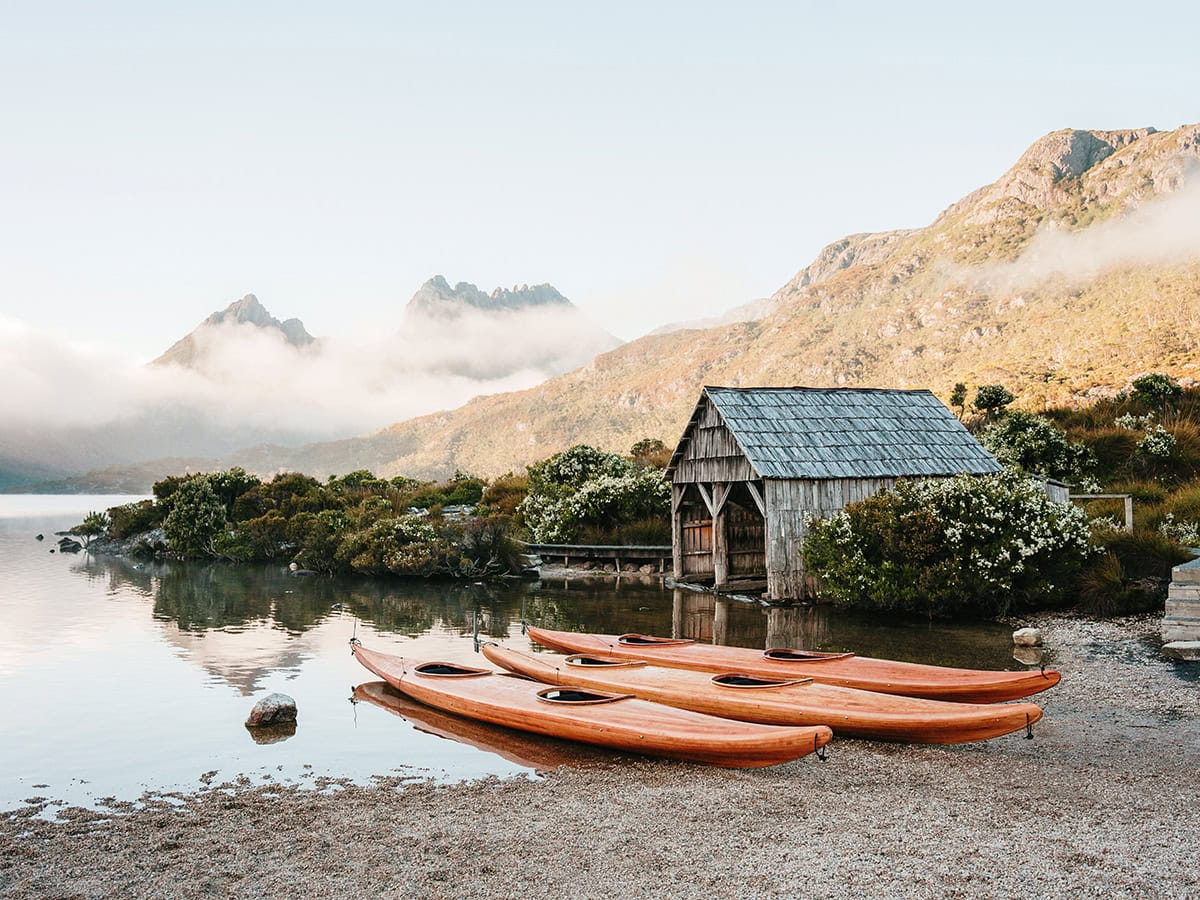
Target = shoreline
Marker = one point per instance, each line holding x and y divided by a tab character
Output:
1104	795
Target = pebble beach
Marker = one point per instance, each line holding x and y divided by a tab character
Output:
1102	802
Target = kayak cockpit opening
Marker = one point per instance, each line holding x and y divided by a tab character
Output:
579	696
739	680
584	661
646	640
787	654
449	670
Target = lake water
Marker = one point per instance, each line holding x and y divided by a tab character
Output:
120	676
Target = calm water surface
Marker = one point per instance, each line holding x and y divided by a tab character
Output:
121	676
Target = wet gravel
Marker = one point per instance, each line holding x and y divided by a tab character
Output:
1101	803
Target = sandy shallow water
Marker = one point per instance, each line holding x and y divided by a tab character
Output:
1102	802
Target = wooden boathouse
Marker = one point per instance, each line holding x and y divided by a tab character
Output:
754	463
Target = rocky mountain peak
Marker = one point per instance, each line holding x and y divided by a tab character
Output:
437	297
247	311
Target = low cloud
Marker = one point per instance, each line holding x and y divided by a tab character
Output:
1165	231
250	386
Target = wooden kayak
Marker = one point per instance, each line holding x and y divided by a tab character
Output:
519	747
840	669
778	701
618	721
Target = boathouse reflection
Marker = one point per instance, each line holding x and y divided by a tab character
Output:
721	620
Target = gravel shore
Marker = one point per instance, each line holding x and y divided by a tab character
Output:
1101	803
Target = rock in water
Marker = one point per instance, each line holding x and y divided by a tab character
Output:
41	537
273	709
1027	637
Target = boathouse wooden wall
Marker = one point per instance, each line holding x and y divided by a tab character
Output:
789	504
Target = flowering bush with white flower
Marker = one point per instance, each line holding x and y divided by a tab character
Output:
1186	534
1134	423
1157	443
963	545
584	487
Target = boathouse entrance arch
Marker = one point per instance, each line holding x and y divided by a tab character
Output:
721	531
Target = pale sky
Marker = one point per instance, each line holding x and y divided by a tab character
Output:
654	161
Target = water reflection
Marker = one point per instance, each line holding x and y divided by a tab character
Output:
204	607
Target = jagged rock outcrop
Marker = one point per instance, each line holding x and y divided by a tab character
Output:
435	297
247	311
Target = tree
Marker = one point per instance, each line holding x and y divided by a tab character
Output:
93	524
958	397
650	452
196	518
990	399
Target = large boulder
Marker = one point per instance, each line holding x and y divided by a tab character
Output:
273	709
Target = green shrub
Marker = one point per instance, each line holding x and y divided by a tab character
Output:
318	536
196	518
486	547
134	518
651	453
1034	444
976	545
263	538
1156	389
231	484
400	546
504	495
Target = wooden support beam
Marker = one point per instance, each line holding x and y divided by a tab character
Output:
720	550
707	498
676	531
720	495
758	497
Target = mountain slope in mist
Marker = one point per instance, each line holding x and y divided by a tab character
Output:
1076	270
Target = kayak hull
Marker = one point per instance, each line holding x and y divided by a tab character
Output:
849	712
841	670
619	722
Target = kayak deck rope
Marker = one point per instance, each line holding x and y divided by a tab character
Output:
1028	728
822	753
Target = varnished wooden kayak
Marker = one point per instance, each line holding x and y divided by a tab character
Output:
532	751
615	720
778	701
839	669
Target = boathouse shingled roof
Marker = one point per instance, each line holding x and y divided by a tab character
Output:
816	433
